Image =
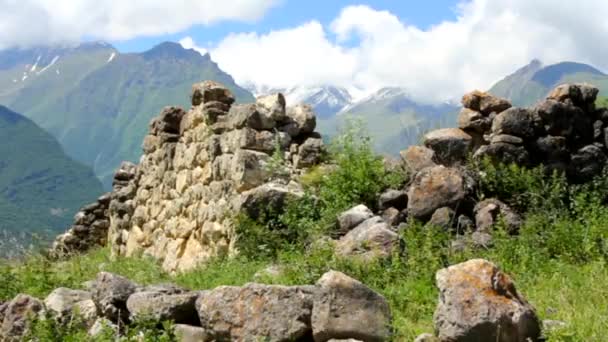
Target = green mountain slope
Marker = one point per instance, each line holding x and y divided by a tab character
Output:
532	83
40	187
101	119
392	119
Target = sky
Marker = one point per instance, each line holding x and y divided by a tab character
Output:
437	49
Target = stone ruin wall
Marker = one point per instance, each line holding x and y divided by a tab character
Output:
201	167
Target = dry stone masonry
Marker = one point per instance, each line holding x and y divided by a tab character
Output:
199	169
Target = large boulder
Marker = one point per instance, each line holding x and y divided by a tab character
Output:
110	295
257	312
209	91
177	307
473	121
309	153
478	302
300	120
505	153
451	145
17	317
519	122
586	163
269	197
580	94
417	158
484	102
273	106
344	308
433	188
371	239
64	302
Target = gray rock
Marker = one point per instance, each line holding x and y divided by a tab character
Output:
426	338
168	121
442	218
211	91
564	119
477	302
464	224
101	325
392	198
345	308
62	301
504	153
484	102
417	158
178	308
552	148
17	317
301	120
273	106
247	115
482	240
264	198
189	333
394	217
473	121
309	153
371	239
255	311
433	188
490	211
579	94
586	163
451	145
519	122
110	295
353	217
507	139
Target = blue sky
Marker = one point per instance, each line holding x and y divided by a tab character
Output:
290	13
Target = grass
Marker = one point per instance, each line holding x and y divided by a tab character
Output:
558	260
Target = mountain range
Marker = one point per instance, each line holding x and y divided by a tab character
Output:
40	186
97	101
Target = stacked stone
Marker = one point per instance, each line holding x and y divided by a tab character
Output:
121	204
331	309
564	132
89	230
202	167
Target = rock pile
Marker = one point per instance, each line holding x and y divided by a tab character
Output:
90	228
564	132
202	167
331	309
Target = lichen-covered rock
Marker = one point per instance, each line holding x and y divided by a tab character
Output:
269	197
484	102
344	308
417	158
489	212
519	122
110	295
371	239
442	218
451	145
579	94
473	121
478	302
17	317
208	91
189	333
255	311
353	217
63	302
587	163
300	120
176	307
504	153
433	188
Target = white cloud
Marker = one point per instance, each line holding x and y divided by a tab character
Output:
370	49
31	22
188	43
